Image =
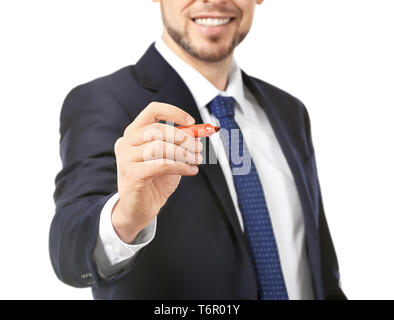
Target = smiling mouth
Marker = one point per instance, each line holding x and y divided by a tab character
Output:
212	22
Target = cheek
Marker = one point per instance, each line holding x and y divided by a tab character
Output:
173	11
247	12
247	20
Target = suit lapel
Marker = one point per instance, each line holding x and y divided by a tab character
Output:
286	146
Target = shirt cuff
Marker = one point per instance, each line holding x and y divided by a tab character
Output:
110	249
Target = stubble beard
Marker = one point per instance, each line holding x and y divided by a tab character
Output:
184	41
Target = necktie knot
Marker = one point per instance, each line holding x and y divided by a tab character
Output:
222	107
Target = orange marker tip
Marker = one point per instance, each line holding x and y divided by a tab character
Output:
217	128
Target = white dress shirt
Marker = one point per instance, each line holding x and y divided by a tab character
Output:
112	255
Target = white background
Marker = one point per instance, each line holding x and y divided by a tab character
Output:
336	56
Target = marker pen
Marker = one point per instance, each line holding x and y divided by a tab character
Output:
200	130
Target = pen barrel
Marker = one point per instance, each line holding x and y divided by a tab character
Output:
199	130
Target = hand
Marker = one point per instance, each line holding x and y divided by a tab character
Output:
151	158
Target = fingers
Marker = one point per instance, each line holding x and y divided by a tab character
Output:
151	149
159	149
156	111
161	157
151	168
161	131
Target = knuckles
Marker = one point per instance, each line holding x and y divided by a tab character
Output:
118	144
151	107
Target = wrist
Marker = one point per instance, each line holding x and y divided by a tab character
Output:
124	228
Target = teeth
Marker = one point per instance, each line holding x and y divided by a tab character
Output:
212	22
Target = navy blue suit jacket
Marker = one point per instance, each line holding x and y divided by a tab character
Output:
199	251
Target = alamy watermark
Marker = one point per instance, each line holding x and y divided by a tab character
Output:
170	145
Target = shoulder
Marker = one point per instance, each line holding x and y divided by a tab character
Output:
290	110
279	97
99	103
112	85
110	94
288	106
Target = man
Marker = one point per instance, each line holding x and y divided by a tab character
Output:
145	216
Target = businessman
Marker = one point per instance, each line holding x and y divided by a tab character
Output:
142	210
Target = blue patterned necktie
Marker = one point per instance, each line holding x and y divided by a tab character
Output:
251	201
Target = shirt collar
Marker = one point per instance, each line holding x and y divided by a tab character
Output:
201	89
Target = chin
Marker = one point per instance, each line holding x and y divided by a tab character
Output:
212	52
211	57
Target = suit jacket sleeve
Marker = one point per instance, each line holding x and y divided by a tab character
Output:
91	121
329	262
